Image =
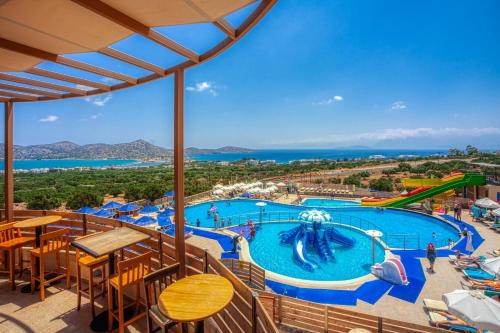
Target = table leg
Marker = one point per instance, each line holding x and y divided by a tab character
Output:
26	289
199	327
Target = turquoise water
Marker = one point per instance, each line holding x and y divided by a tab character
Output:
402	229
319	202
349	263
287	155
66	164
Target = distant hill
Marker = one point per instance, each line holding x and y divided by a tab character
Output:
139	149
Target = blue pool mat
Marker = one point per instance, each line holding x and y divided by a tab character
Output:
372	291
229	255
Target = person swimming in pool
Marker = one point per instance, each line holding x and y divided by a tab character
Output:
198	222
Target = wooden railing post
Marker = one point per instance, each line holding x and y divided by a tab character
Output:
254	312
325	325
279	309
250	274
160	248
205	261
380	325
84	224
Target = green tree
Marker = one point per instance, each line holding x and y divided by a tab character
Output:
353	180
471	150
44	201
454	152
335	180
382	184
86	197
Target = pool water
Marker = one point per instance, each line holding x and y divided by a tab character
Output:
401	229
319	202
349	263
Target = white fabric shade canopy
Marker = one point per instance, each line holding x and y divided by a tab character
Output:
487	203
476	309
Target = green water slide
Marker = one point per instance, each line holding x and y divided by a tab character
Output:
468	179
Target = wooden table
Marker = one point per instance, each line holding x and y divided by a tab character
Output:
107	243
37	223
195	298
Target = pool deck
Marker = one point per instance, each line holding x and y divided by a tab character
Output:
446	279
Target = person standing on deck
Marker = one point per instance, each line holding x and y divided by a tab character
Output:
431	255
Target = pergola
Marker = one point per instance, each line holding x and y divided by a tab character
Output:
36	32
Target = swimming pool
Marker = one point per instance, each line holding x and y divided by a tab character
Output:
349	263
321	202
401	228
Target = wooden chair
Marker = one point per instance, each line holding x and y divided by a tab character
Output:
51	243
92	265
154	284
10	240
130	273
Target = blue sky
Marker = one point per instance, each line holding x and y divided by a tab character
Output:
311	74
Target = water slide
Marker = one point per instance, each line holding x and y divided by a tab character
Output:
300	246
322	245
448	183
335	236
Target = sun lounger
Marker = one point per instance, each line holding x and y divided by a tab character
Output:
435	317
434	305
477	274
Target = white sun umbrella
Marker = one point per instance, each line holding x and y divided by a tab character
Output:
281	184
218	192
487	203
476	309
273	188
315	215
218	186
491	265
269	184
496	212
264	191
469	247
258	183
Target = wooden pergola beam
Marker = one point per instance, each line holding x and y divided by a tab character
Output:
17	95
44	55
68	78
225	27
9	160
23	80
112	14
29	90
180	248
132	60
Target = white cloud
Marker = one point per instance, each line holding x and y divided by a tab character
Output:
399	105
100	100
93	117
208	86
49	119
82	87
330	100
396	134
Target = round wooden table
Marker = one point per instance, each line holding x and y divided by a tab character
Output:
37	223
195	298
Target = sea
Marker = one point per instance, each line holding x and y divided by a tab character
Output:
286	155
279	156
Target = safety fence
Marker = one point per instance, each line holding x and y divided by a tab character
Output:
253	275
291	314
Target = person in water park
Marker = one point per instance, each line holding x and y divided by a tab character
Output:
431	255
216	220
198	222
236	241
252	231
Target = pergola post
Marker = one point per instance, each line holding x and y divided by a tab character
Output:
9	161
180	249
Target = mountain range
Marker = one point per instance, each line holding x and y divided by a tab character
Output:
139	149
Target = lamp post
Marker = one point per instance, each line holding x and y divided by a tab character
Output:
374	234
261	205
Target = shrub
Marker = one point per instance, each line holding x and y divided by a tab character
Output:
382	184
43	201
84	198
335	180
353	180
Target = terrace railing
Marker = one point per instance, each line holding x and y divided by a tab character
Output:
253	275
244	314
291	314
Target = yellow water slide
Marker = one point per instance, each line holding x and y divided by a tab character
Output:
429	182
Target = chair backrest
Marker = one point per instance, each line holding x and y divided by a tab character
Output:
157	281
54	241
8	232
132	270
